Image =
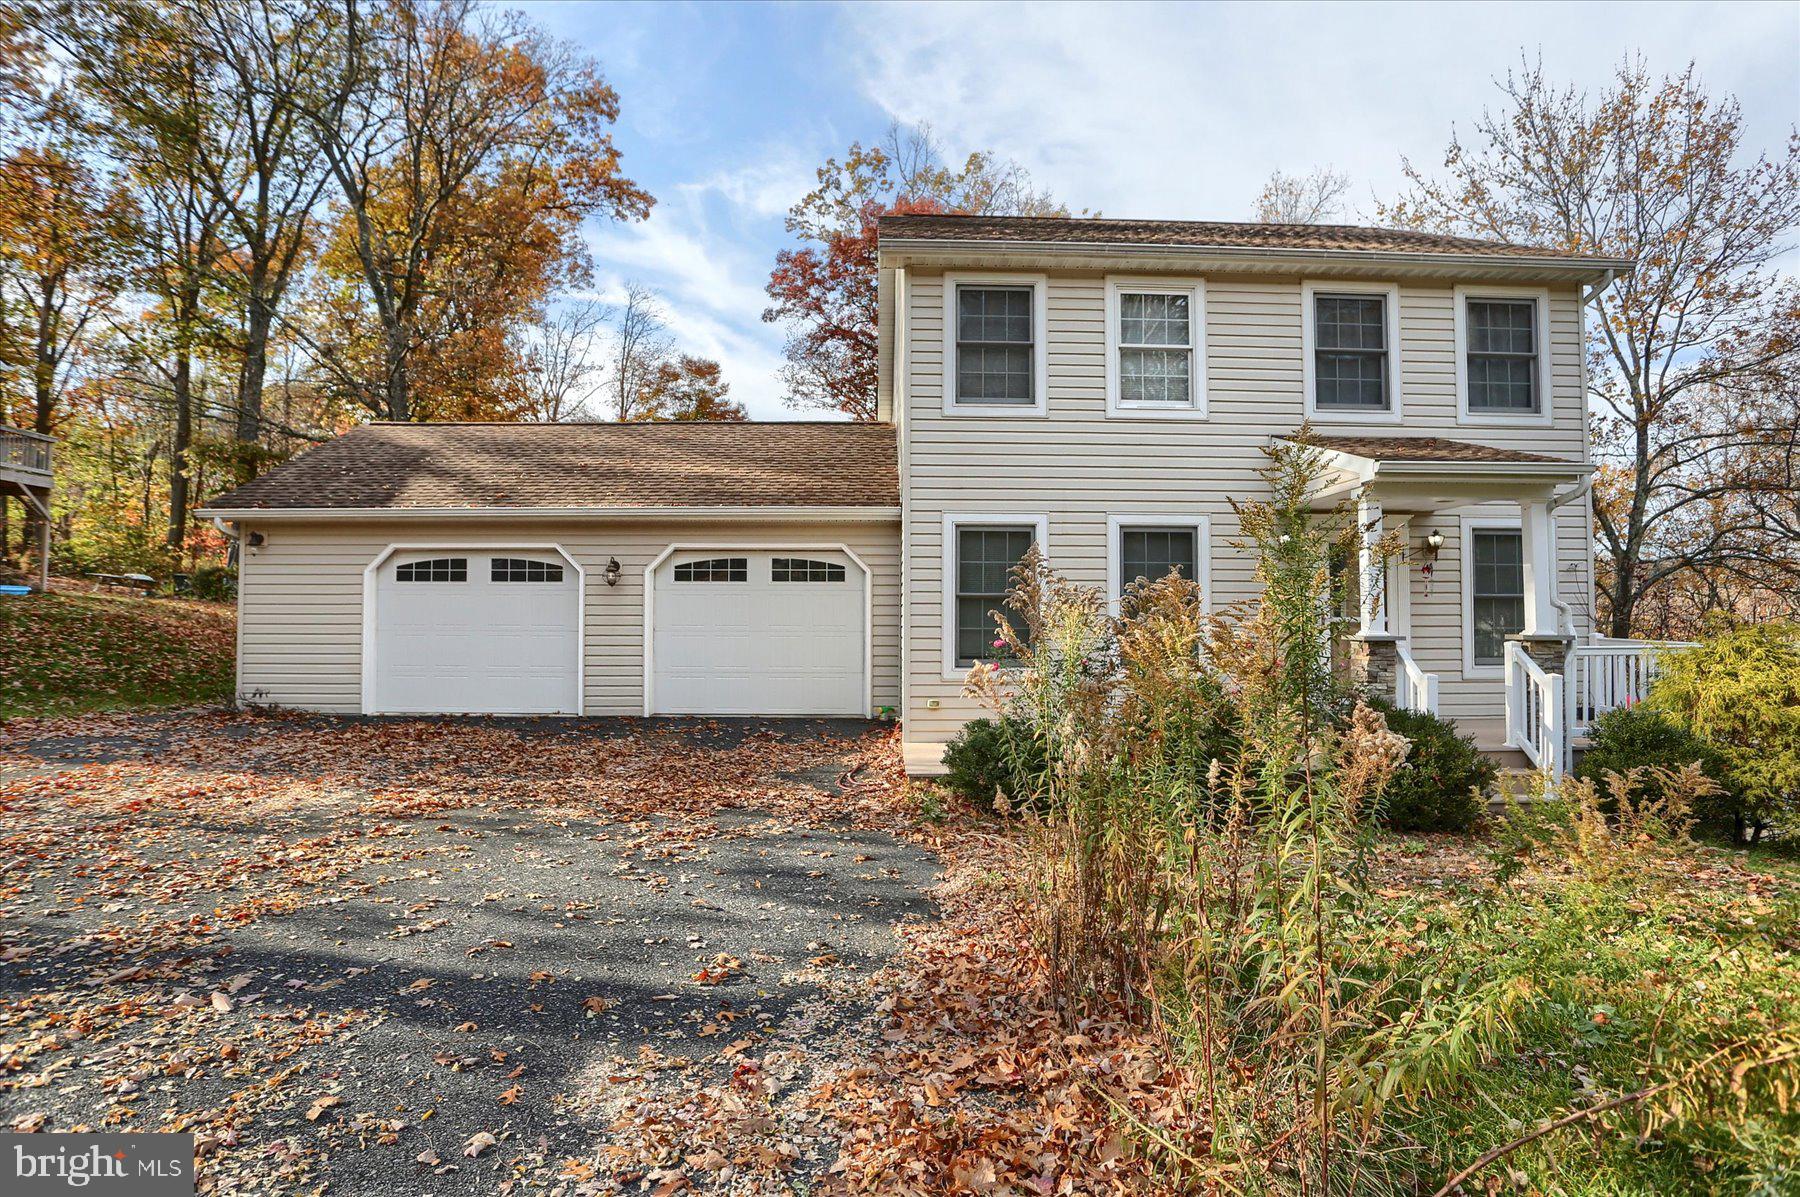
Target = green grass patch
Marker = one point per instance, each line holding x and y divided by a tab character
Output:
69	653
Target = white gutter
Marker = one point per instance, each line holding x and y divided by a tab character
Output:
768	514
224	528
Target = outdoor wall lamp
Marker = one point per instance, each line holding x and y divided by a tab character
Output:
1434	544
256	540
611	573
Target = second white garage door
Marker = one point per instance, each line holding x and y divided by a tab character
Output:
771	632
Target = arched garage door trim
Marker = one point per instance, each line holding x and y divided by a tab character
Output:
868	639
372	575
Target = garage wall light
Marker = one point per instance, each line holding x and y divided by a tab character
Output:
611	573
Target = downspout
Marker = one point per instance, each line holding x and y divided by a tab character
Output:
1565	616
224	528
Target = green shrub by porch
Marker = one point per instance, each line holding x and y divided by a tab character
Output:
1442	786
1643	737
1739	691
990	755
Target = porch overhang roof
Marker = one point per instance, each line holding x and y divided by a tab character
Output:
1425	473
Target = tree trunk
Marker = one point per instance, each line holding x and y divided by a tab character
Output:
178	449
399	390
261	318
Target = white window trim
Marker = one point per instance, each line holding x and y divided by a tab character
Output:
1195	290
1115	541
1541	333
657	562
1472	524
1309	369
1040	526
1040	345
372	577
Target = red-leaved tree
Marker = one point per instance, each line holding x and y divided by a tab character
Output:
825	289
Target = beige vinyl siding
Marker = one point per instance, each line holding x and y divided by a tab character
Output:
1076	466
301	597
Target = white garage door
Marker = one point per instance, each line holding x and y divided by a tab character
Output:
476	631
759	633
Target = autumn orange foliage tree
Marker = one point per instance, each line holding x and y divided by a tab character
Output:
1692	356
691	388
825	290
467	148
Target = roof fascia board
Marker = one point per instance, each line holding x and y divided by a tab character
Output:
913	250
762	514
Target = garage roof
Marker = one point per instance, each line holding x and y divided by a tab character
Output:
573	466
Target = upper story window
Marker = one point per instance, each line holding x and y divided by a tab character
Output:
994	345
1350	336
1501	365
1155	346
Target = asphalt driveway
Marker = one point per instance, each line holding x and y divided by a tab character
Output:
365	956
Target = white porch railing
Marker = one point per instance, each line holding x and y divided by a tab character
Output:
1535	716
1414	689
1610	674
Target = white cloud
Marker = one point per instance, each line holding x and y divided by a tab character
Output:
1153	111
711	283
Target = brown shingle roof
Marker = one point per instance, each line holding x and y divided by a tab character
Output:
1200	234
792	464
1430	448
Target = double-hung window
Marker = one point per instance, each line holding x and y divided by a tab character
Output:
1155	348
983	555
1148	548
1496	592
994	345
1500	347
1350	342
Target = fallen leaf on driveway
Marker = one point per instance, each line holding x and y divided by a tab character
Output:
478	1142
321	1104
596	1005
221	1003
511	1095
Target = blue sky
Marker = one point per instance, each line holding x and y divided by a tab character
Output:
1177	111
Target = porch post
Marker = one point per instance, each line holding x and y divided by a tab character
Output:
1538	545
1372	598
1543	638
1374	661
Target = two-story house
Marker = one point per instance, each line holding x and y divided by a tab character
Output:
1100	388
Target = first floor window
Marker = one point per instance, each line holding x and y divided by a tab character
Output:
1151	554
994	343
1502	356
985	559
438	569
1350	353
1497	560
1155	349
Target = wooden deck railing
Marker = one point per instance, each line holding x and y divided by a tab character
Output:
25	452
